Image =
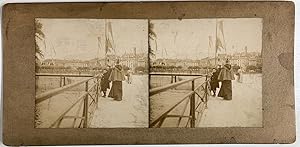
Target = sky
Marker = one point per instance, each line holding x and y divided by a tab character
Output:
189	38
183	39
78	38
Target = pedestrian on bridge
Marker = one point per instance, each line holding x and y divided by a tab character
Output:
129	76
214	82
116	76
104	81
239	75
225	76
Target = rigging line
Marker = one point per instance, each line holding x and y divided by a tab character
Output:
52	47
99	47
216	41
166	52
112	37
224	36
44	42
109	34
105	33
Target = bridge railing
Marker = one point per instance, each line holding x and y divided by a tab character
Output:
88	98
197	97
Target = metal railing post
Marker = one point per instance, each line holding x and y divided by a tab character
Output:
60	81
97	92
85	107
175	79
171	79
192	106
64	81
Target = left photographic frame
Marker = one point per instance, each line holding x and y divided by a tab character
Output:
87	73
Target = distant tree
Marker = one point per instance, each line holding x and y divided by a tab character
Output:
140	68
194	67
97	68
251	67
40	36
259	66
172	66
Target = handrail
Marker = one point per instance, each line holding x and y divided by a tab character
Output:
61	116
169	110
46	95
175	74
190	96
169	86
63	75
83	97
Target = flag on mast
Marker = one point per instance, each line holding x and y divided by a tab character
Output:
220	39
109	40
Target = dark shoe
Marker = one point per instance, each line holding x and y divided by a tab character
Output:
118	99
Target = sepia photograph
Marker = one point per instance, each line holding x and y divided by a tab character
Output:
91	73
108	73
205	72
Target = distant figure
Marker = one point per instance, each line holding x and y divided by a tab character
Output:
129	76
69	81
104	81
239	75
116	76
214	82
225	76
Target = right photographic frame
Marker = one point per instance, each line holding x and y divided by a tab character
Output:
205	72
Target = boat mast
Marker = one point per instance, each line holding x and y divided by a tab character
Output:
209	47
106	46
216	42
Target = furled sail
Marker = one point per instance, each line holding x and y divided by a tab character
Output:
109	39
220	38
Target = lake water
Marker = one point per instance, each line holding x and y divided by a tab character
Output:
49	110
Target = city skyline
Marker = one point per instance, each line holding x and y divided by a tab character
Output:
232	54
139	55
142	55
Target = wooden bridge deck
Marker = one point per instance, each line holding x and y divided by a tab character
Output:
131	112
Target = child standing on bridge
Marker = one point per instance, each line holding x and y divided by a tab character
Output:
214	82
104	81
